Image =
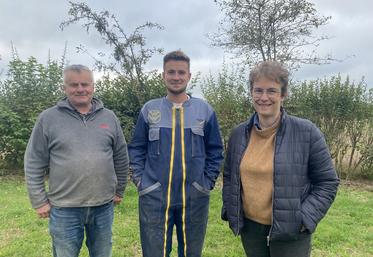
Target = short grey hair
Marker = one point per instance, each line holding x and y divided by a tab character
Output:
76	68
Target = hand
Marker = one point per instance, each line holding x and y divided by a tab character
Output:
117	199
303	229
43	212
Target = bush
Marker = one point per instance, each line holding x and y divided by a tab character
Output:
29	88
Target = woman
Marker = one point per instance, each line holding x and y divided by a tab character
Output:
279	179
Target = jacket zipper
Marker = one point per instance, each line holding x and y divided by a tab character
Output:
84	121
273	196
273	191
238	201
239	182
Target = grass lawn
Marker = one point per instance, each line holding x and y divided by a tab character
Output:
347	230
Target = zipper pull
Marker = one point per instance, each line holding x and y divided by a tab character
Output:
268	240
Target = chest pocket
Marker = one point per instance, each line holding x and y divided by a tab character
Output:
198	143
153	146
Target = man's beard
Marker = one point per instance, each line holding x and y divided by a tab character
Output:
177	91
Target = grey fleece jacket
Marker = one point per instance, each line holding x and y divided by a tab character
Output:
86	156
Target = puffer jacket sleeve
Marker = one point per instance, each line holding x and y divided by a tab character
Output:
227	180
324	181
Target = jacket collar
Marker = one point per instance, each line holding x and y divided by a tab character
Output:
251	122
96	105
170	104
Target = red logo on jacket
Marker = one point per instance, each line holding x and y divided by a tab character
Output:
104	126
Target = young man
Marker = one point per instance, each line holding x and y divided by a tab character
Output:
82	145
175	155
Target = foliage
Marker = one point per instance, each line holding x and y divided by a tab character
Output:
367	159
129	49
345	232
126	86
365	148
120	95
343	111
29	88
228	95
279	30
340	108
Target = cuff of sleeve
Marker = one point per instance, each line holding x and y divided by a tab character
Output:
119	193
209	183
136	181
224	215
40	204
308	224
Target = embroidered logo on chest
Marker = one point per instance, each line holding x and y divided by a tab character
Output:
104	126
201	123
154	116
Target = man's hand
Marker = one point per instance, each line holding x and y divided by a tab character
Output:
43	212
117	199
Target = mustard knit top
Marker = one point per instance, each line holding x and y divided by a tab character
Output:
256	170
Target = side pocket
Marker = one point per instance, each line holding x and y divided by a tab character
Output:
200	198
150	204
200	188
149	189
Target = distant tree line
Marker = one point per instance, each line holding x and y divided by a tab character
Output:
254	29
342	109
28	88
283	30
31	87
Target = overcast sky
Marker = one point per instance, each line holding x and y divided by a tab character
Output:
33	27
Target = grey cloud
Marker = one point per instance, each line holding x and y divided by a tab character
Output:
33	26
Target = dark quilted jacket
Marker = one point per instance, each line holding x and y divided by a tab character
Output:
305	182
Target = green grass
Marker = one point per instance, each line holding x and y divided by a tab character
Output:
347	230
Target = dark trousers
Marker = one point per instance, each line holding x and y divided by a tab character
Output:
156	236
254	241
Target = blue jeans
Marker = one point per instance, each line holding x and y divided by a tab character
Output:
67	226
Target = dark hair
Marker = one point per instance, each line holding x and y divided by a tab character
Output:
271	70
176	56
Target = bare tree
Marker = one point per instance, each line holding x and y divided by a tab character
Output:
131	86
280	30
129	49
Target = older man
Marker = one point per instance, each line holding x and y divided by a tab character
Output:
81	145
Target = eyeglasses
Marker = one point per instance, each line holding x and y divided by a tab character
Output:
271	92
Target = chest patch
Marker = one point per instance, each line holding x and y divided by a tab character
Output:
201	123
154	116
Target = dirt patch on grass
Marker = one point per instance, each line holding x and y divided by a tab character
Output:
365	185
8	235
12	177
